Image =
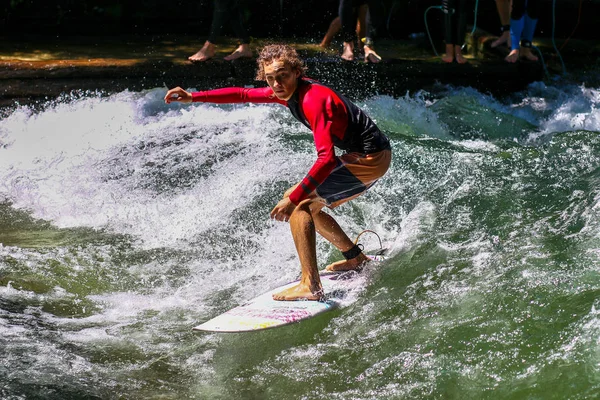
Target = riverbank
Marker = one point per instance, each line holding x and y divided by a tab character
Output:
35	68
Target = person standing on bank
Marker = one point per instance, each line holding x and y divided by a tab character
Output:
225	11
455	25
332	180
523	20
503	7
349	11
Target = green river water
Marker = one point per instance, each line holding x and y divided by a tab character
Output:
125	222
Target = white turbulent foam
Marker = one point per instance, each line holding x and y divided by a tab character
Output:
56	164
478	145
48	164
407	115
414	226
571	109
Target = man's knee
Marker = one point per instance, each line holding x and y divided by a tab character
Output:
308	206
301	215
315	207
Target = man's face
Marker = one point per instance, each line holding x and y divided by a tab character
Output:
281	78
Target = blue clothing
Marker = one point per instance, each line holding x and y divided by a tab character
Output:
523	20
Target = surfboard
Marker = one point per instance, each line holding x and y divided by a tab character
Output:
263	312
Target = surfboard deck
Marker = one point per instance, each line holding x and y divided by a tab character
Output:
263	312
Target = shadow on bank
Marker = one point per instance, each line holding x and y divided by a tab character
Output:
36	69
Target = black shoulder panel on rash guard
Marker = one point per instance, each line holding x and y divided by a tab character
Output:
362	135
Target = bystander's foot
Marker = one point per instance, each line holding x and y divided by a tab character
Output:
527	54
243	51
513	56
503	39
371	56
458	56
449	56
204	54
348	51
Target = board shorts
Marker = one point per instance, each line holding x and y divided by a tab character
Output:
354	174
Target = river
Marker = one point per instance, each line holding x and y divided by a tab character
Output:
124	222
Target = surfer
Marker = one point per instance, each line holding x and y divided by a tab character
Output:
332	180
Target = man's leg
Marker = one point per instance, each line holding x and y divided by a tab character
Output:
303	232
328	227
331	231
208	50
348	18
517	20
528	30
237	23
503	7
334	27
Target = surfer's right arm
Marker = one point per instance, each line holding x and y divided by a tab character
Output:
224	96
178	94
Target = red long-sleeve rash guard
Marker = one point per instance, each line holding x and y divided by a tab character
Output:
323	111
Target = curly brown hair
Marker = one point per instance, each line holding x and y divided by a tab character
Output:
282	52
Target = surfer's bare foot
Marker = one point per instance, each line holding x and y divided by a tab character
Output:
353	264
513	56
243	51
527	54
204	54
504	39
300	292
348	52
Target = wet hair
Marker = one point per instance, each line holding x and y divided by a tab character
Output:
281	52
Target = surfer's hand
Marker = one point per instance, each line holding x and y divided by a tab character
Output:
283	210
178	94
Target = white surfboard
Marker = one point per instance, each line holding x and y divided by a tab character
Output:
263	312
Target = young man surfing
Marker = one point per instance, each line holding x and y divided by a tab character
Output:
331	181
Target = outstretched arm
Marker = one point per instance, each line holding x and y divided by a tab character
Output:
178	94
224	95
